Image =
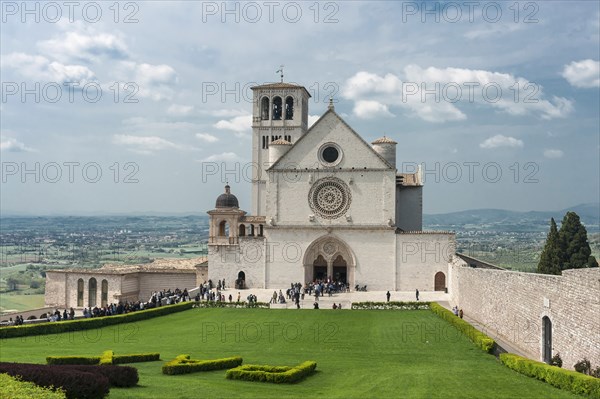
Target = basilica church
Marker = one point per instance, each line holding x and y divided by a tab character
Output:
325	205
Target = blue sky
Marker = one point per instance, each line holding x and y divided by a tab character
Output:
124	108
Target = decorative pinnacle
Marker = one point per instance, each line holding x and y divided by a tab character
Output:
330	106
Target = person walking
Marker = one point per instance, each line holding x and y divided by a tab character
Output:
417	293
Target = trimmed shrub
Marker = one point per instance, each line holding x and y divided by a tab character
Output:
107	357
484	342
136	358
14	388
568	380
237	305
182	364
118	376
391	305
274	374
94	322
76	384
72	359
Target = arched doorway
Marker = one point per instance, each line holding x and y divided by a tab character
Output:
320	268
240	283
439	281
329	257
546	339
340	269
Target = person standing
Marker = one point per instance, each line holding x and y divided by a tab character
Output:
460	313
417	293
387	295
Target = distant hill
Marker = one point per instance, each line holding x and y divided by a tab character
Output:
501	219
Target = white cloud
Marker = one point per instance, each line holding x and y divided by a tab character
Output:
84	46
312	119
179	110
501	141
222	157
39	68
144	144
13	145
584	74
209	138
433	94
238	124
553	154
369	109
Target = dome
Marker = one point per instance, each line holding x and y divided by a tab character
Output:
227	200
384	140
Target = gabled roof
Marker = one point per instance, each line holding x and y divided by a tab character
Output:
308	132
280	85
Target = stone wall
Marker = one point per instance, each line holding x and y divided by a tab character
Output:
512	305
164	280
419	256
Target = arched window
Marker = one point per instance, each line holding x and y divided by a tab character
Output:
277	108
92	288
546	339
104	293
260	230
223	229
439	281
289	108
80	293
242	230
264	108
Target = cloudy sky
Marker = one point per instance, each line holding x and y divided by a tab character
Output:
131	107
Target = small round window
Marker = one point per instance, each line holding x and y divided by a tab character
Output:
330	154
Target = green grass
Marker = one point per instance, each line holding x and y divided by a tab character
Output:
359	353
20	302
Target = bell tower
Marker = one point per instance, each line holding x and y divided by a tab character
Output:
279	112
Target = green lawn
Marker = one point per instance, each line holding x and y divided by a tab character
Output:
20	302
374	354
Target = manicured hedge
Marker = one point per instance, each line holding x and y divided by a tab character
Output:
391	305
14	388
107	357
72	359
118	376
484	342
568	380
76	384
274	374
260	305
91	323
182	364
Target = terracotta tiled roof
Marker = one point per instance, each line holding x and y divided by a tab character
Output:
280	142
384	140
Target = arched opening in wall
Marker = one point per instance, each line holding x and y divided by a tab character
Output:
80	293
240	283
92	290
224	229
252	230
260	230
546	339
320	268
264	108
242	230
340	270
289	108
439	282
104	293
277	108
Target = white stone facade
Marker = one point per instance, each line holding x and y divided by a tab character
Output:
328	205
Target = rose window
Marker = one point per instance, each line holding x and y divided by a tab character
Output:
329	198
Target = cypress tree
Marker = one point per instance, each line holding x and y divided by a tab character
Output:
550	259
574	245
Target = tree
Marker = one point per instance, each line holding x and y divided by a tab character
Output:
11	284
550	259
574	245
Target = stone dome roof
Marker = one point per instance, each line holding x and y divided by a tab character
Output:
384	140
227	200
280	142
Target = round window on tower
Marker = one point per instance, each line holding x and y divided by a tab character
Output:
330	154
